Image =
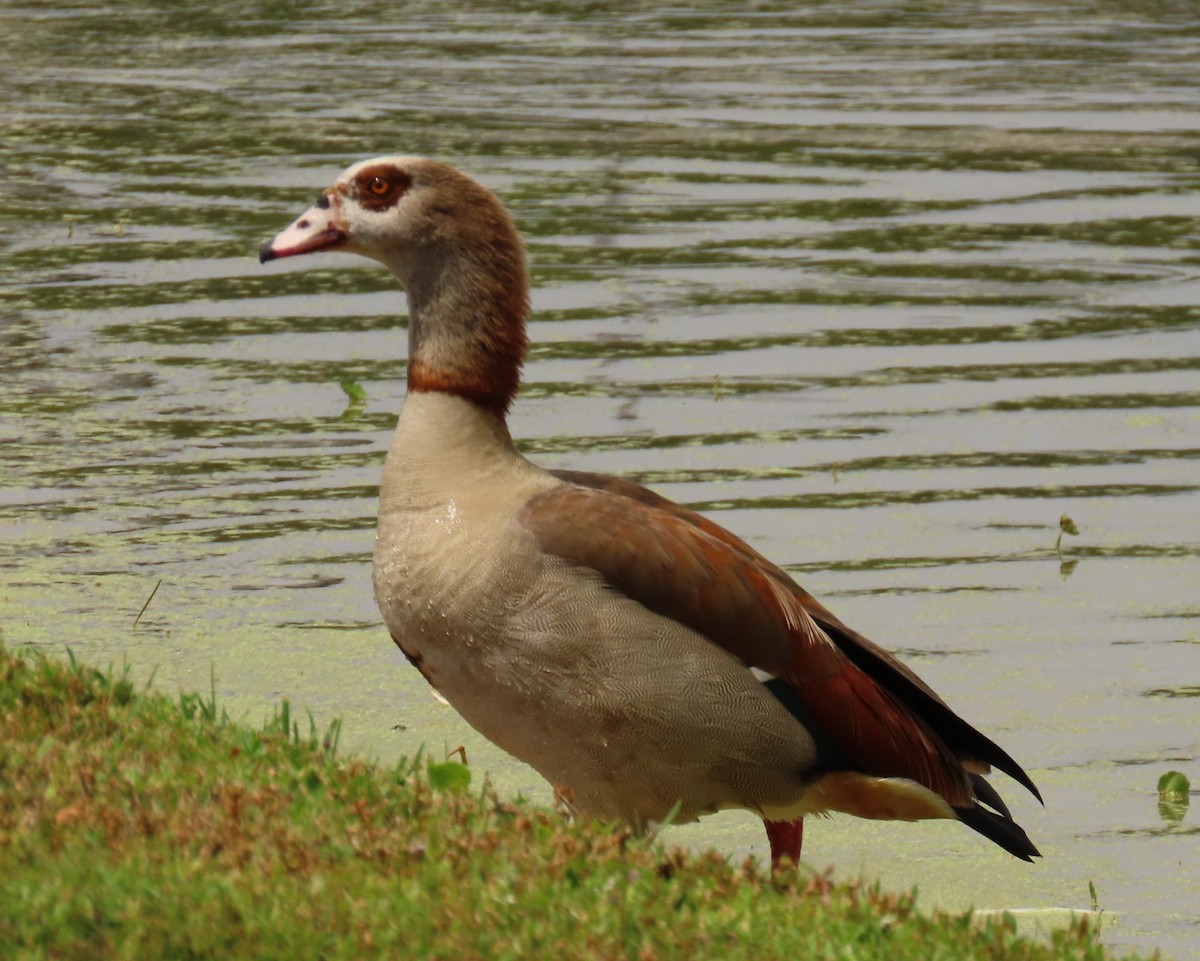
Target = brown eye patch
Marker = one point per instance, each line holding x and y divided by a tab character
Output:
380	186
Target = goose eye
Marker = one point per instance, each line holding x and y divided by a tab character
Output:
381	186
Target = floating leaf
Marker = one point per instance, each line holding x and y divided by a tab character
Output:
1174	783
449	776
1065	526
356	397
356	394
1173	800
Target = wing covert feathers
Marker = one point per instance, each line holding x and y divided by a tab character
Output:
877	712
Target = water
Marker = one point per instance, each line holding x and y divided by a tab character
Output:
887	291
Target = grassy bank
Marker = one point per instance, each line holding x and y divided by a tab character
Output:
134	825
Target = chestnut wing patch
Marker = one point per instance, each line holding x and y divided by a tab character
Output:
673	569
973	749
680	570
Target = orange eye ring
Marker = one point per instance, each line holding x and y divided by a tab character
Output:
379	186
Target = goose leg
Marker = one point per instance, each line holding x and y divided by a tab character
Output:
786	837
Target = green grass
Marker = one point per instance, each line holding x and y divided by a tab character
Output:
133	825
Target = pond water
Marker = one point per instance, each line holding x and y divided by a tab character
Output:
886	288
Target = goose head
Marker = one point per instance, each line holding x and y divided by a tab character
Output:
454	249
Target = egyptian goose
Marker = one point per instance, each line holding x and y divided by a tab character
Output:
644	660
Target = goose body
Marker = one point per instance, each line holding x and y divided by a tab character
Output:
644	660
518	639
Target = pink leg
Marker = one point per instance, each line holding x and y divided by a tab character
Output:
786	838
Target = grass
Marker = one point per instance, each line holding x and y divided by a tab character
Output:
134	825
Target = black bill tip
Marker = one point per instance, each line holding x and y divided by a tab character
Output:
265	253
